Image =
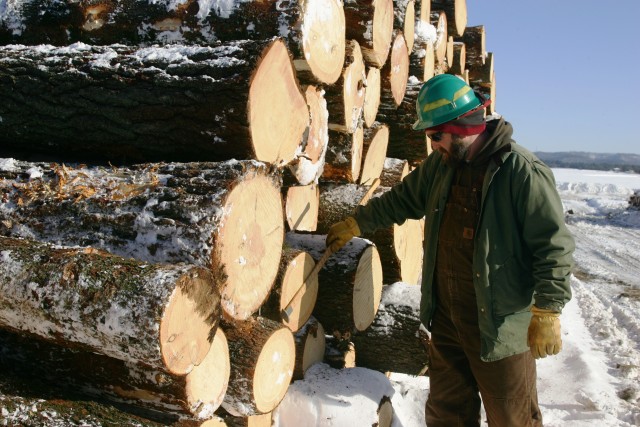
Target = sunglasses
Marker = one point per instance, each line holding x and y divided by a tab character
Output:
437	137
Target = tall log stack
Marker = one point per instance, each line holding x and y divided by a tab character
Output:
281	115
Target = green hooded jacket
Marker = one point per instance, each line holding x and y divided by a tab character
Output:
522	250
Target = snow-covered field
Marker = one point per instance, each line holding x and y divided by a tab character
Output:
594	381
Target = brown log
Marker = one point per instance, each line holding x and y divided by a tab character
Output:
396	341
393	171
301	207
395	73
459	59
349	284
345	99
405	142
371	96
194	396
422	61
376	139
344	156
238	100
310	347
225	216
309	162
294	275
439	21
474	40
262	354
456	12
370	23
161	315
404	12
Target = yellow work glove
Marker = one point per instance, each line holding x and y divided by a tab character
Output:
543	336
341	232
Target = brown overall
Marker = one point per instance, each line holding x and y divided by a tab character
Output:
458	377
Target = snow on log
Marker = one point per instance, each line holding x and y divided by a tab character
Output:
393	171
293	289
422	60
345	99
371	96
376	139
344	156
456	13
310	347
301	207
396	340
394	74
405	142
310	159
161	315
262	356
370	23
195	395
349	284
238	100
225	216
312	401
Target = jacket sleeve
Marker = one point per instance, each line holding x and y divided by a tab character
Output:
546	235
403	201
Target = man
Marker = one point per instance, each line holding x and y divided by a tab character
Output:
497	258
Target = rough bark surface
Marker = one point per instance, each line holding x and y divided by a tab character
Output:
159	213
177	103
344	156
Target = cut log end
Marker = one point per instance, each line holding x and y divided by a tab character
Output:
314	347
385	412
278	112
274	370
252	233
367	290
300	303
408	247
324	39
371	96
302	207
399	68
185	328
353	90
409	25
376	151
382	31
207	383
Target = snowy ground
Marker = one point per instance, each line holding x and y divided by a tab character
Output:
595	380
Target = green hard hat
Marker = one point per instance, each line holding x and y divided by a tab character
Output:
443	98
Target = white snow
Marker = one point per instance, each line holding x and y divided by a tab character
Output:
594	381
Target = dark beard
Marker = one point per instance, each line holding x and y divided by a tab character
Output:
458	152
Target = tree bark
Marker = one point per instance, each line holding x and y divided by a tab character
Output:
193	396
344	156
393	171
404	142
371	96
337	201
294	289
395	73
345	100
396	341
340	353
349	284
239	100
474	40
301	204
370	23
262	354
376	139
226	216
161	315
456	12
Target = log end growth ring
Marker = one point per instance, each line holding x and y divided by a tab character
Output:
324	39
251	245
278	112
274	370
185	328
367	289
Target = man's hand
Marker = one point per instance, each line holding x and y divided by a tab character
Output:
544	333
341	232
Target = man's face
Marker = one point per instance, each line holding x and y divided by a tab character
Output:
453	147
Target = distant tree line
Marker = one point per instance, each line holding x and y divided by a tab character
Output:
592	166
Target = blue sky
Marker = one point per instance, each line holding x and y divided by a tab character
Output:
567	71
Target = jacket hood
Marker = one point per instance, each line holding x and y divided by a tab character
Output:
499	134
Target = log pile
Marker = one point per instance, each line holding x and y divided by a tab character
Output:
167	178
